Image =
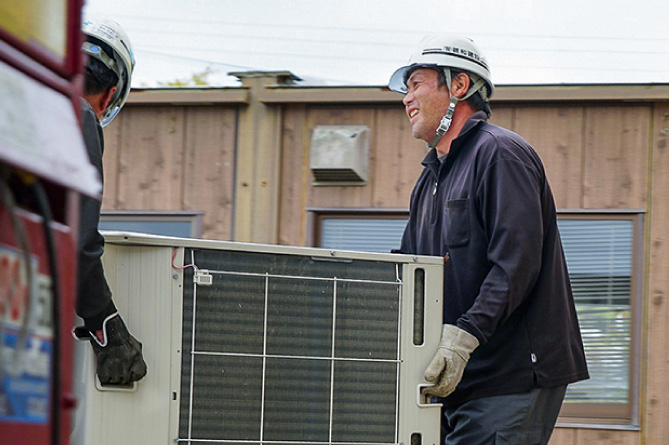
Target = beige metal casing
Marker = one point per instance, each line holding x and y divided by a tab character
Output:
148	292
340	155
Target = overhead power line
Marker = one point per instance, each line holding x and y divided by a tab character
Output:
394	31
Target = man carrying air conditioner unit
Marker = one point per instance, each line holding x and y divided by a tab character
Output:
510	340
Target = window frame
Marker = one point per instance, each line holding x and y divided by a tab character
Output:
149	216
571	414
318	214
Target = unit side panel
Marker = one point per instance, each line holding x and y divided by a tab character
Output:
141	282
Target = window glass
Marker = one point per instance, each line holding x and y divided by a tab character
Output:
168	228
599	259
369	235
178	224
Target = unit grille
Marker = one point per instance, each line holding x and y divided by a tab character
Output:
287	349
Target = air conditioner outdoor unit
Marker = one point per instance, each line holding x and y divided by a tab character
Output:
259	344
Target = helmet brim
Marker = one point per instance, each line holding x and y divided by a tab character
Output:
398	79
451	51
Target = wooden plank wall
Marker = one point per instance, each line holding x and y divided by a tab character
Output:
173	158
594	155
655	403
394	165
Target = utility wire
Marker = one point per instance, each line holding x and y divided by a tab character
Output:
393	31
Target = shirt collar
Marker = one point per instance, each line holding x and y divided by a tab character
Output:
474	120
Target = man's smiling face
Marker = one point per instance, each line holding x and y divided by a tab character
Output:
425	102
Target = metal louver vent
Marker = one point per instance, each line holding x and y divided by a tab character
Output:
283	346
334	175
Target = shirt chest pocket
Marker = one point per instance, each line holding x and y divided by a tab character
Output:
455	229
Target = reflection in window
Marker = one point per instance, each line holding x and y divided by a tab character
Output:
368	235
599	259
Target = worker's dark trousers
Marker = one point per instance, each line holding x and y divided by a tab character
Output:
515	419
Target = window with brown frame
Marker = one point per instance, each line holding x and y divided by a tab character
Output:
603	252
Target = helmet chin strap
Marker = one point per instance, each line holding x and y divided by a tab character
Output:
446	121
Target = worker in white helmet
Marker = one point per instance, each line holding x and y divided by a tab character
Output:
510	341
107	77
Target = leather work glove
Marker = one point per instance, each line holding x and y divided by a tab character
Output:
118	354
446	368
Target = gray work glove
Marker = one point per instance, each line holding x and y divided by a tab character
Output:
446	368
118	354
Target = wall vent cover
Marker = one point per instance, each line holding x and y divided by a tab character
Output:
340	154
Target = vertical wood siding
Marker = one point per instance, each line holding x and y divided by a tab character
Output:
209	168
556	133
173	158
616	157
655	404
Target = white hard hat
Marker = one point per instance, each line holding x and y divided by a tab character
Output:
446	51
121	62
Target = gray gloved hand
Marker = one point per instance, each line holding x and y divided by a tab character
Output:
118	354
446	368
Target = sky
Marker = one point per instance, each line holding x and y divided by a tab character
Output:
361	42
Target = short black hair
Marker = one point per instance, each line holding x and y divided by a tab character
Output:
475	100
97	77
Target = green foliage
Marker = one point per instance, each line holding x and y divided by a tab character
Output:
197	79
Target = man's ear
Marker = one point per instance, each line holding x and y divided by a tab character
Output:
106	98
460	85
